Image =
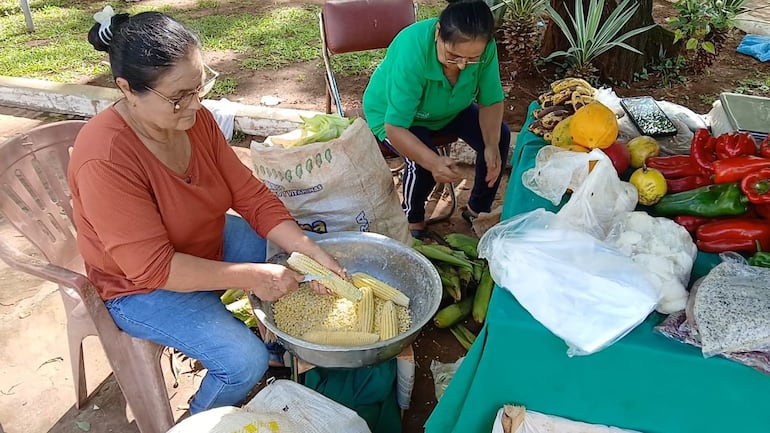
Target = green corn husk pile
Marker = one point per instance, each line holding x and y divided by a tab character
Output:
466	281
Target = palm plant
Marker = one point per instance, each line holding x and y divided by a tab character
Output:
591	37
519	33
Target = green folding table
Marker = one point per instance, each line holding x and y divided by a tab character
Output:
643	382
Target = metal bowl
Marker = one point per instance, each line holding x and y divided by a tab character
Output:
380	257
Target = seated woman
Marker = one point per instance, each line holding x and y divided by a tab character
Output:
151	178
442	76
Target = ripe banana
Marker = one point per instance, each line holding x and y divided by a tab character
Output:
550	120
562	97
579	101
571	83
545	97
540	112
536	127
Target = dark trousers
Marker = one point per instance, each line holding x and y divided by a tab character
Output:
418	182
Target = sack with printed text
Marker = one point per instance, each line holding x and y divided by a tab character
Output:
338	185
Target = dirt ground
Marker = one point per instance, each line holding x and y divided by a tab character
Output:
36	392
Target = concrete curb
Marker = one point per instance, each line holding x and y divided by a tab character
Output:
84	100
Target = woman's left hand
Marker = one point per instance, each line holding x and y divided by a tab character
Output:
494	165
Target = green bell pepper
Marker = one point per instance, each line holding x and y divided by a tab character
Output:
709	201
760	258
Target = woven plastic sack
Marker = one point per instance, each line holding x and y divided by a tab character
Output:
334	186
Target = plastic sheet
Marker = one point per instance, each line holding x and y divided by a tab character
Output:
756	46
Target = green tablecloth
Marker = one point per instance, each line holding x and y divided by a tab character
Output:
643	382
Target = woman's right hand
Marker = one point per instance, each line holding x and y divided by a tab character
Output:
445	170
275	281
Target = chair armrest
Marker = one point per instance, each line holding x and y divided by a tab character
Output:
40	268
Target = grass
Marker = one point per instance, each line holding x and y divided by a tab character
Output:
270	36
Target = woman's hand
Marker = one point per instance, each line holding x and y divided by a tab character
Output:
494	165
275	281
445	170
329	262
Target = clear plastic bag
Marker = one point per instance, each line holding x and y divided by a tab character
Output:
443	372
661	246
599	196
677	328
732	308
585	292
599	200
556	170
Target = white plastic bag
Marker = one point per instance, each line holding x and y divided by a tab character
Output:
224	113
578	287
661	246
599	196
229	419
312	411
443	372
556	170
338	185
536	422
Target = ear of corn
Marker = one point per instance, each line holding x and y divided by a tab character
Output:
366	310
453	314
388	321
381	289
340	338
307	266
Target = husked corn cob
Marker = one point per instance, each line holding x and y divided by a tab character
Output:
340	338
366	309
307	266
388	321
381	289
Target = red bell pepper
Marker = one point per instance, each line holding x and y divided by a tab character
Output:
733	234
756	186
702	151
673	166
735	169
687	183
764	147
691	223
732	145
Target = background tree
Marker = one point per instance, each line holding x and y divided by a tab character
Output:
616	64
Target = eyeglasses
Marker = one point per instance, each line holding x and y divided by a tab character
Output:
458	60
184	100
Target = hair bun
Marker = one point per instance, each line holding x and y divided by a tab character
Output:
107	22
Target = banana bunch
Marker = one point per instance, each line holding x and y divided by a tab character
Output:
564	98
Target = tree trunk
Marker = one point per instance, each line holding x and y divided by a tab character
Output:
617	64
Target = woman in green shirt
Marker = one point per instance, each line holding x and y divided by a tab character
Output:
441	76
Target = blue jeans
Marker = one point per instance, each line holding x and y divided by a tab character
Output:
199	325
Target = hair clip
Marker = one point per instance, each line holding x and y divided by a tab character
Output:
104	18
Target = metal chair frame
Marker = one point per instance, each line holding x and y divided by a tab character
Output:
333	93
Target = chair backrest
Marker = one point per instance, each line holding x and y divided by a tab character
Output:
34	196
359	25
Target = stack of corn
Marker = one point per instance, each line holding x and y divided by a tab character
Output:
366	311
466	281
